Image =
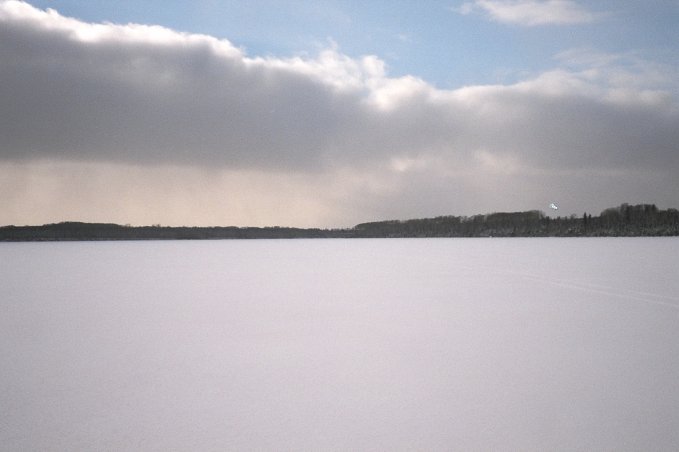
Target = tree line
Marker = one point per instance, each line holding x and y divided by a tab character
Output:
624	220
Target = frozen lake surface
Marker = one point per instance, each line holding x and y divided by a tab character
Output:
422	344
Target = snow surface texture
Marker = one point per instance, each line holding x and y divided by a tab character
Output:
467	344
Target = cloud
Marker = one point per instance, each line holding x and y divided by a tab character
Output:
333	135
530	12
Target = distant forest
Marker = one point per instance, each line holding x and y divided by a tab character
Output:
625	220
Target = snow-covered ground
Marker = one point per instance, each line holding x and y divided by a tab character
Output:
423	344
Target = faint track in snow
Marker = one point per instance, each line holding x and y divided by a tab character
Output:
629	294
645	297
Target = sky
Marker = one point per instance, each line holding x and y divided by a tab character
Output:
329	113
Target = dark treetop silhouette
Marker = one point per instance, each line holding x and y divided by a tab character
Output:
625	220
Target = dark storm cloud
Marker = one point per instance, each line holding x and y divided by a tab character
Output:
140	94
147	101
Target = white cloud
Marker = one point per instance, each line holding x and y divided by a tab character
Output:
210	135
530	12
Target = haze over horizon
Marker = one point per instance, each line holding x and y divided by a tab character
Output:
333	113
